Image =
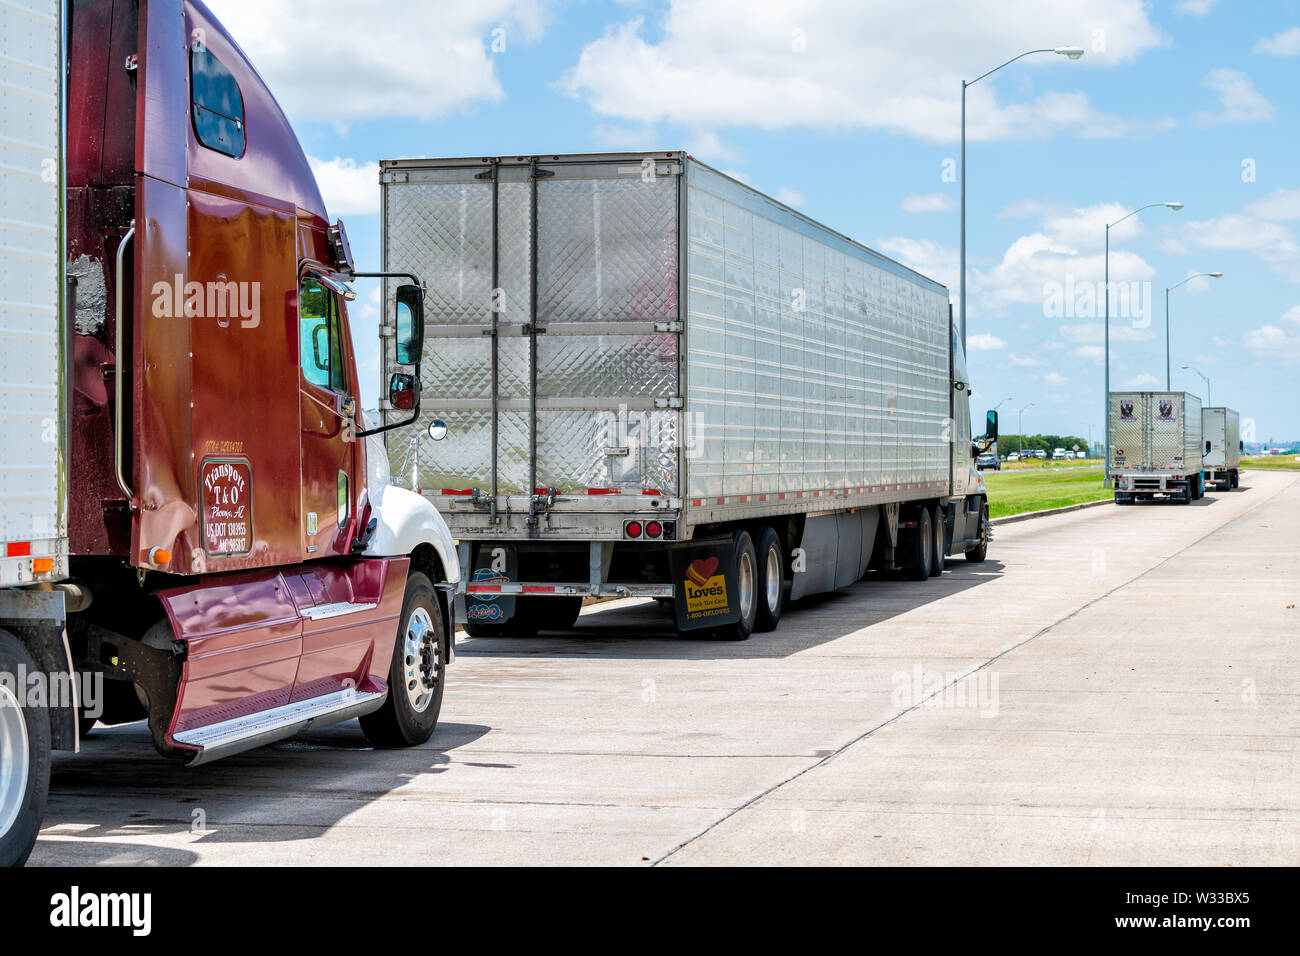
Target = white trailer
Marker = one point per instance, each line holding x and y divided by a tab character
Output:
1221	432
1155	446
643	377
38	702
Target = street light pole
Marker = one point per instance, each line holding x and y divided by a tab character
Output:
1073	52
1105	348
1168	349
1020	427
1208	403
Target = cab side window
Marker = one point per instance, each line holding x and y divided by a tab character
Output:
320	347
217	105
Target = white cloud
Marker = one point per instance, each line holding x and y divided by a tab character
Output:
616	136
1195	8
1092	353
892	66
1280	204
1054	379
791	197
1272	343
1145	380
1273	243
984	342
929	202
1286	43
1239	101
349	188
431	60
1023	361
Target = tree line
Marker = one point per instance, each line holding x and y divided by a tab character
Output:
1009	443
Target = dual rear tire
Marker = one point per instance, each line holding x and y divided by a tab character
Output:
24	759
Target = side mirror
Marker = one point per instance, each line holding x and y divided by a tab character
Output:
403	391
410	324
991	423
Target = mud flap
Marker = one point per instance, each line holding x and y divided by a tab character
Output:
704	584
492	565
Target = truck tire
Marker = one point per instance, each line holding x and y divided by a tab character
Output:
746	589
771	581
417	674
524	623
978	553
555	614
920	547
24	759
937	555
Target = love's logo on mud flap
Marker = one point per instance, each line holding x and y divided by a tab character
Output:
706	590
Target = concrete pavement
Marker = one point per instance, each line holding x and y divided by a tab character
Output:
1114	685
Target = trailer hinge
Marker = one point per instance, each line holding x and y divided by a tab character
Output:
387	331
528	328
673	326
394	176
539	173
674	402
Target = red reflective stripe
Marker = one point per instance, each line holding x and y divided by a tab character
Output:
722	501
651	491
537	588
696	503
18	549
453	491
603	491
481	588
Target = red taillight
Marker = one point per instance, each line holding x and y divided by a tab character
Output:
653	529
632	529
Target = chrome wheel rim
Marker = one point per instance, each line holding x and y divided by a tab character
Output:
773	579
422	661
927	542
745	581
15	759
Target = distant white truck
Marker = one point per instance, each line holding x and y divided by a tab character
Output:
1155	446
1221	432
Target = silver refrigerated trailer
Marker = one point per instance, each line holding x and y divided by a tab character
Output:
1155	446
643	377
38	698
1221	433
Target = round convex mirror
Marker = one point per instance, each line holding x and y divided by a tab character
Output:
437	429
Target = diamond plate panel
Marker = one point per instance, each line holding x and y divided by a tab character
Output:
1128	431
607	365
608	249
572	448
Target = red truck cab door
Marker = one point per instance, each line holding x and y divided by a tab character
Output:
327	392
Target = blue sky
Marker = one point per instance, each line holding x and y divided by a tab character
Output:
849	112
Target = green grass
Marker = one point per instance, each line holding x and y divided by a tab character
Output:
1036	465
1278	462
1013	493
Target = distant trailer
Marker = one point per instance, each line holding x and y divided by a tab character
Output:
1156	448
1221	432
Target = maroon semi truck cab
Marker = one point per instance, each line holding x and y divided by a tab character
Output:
234	574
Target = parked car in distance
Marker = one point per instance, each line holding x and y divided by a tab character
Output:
1080	454
1058	454
1014	456
1040	454
988	460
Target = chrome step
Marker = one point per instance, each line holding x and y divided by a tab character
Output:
257	730
322	611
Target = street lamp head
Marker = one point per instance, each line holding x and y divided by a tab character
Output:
1073	52
1175	206
1212	275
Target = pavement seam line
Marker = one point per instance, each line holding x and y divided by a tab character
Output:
974	670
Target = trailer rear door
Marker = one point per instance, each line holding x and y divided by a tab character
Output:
552	323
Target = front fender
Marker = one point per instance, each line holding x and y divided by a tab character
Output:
406	521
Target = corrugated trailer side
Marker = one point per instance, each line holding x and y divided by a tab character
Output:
33	543
817	370
1221	434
